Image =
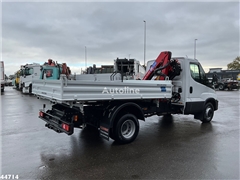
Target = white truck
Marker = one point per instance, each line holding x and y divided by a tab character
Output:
27	74
115	106
2	76
129	68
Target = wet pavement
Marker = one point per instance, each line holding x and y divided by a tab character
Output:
174	148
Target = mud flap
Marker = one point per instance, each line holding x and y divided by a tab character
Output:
198	116
105	128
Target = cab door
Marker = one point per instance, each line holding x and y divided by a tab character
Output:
198	88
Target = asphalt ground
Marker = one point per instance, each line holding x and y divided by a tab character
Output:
178	147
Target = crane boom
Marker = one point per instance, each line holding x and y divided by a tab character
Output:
162	60
163	66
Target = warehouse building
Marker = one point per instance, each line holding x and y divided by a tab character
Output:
223	73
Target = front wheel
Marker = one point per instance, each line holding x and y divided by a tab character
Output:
30	89
208	113
126	129
221	87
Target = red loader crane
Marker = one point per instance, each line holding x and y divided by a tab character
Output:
163	67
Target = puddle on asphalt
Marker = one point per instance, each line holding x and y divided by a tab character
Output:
135	176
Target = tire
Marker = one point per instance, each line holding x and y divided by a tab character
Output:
21	87
208	113
221	87
126	129
30	89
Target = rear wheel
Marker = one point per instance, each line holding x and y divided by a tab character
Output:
208	113
126	129
221	87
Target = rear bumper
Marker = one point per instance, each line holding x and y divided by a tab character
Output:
62	118
56	124
233	86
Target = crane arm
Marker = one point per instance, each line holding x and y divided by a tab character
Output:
162	60
164	66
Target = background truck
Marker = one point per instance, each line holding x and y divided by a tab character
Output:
16	80
238	77
28	73
129	68
53	71
115	107
227	83
2	76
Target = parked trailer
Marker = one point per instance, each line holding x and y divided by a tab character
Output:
111	107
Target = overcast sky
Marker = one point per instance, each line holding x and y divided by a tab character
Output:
35	32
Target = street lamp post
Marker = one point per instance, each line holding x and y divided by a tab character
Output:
144	42
85	57
195	47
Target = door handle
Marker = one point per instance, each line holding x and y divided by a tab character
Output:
191	89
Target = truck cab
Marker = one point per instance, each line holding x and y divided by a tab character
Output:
52	71
28	73
196	93
16	79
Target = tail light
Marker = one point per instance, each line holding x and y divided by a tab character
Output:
41	113
65	127
75	117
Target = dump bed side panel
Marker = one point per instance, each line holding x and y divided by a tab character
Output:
76	90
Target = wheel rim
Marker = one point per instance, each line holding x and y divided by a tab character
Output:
208	113
128	129
221	87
